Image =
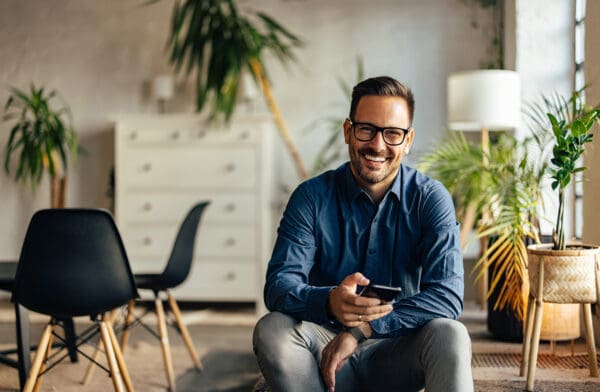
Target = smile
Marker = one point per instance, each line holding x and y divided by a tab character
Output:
374	158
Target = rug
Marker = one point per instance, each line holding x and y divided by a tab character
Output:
501	386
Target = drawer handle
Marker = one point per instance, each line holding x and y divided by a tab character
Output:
230	241
133	135
176	135
146	167
230	276
230	167
230	207
147	207
201	134
147	241
245	135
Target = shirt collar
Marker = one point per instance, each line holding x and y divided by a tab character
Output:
353	190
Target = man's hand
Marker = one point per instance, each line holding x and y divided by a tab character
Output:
335	355
351	309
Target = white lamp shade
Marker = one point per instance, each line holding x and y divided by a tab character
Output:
163	87
489	99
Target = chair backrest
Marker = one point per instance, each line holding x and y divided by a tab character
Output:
73	263
182	254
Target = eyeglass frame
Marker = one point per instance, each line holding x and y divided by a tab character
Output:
378	130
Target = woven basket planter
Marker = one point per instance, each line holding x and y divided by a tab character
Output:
569	276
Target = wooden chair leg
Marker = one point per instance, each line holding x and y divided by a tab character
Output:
127	327
184	331
164	342
39	358
115	374
589	339
527	338
119	356
91	365
38	382
535	344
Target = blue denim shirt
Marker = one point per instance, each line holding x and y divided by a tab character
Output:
331	228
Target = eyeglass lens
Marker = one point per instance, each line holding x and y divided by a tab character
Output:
367	132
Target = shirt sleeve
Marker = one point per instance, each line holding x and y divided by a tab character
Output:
286	287
441	286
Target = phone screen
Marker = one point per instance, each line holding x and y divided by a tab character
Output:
384	293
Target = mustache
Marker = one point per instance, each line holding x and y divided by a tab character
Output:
370	151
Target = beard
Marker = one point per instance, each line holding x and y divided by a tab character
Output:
367	175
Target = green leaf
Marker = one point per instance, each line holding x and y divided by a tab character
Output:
214	41
38	131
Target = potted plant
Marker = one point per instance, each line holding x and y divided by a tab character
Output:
571	130
507	184
41	138
217	42
559	272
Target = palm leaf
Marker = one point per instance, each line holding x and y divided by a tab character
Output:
214	40
38	134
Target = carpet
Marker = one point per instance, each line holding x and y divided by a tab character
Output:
503	386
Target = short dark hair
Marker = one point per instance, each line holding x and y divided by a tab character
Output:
382	86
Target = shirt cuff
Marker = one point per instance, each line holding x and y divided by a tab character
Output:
317	302
380	328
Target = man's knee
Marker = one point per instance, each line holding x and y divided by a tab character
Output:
450	336
271	330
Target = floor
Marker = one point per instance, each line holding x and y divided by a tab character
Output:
222	336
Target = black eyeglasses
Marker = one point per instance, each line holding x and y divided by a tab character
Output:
365	132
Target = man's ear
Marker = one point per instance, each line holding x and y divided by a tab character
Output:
347	129
409	140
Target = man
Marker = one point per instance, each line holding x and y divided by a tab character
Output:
373	220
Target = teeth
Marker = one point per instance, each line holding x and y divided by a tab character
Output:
374	158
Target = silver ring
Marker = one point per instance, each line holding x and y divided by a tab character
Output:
360	317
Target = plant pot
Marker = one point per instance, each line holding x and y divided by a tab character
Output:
569	277
503	324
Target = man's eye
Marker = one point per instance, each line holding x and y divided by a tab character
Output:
366	128
393	133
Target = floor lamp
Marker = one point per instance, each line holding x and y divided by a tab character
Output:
483	101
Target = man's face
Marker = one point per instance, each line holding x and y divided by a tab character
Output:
375	162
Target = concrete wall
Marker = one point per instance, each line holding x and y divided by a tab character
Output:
100	56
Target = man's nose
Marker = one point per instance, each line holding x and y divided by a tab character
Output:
378	141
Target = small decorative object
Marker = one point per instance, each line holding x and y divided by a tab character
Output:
42	138
162	90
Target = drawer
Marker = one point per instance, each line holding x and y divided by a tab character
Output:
219	281
188	168
165	130
171	207
143	241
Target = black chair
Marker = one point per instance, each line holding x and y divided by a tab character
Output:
175	273
73	264
22	363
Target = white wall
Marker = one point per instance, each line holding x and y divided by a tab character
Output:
101	54
544	59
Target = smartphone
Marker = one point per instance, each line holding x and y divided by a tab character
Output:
384	293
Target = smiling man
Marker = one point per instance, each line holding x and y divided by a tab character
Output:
372	220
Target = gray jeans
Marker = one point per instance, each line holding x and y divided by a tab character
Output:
437	358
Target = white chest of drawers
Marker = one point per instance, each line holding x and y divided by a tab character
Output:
166	163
